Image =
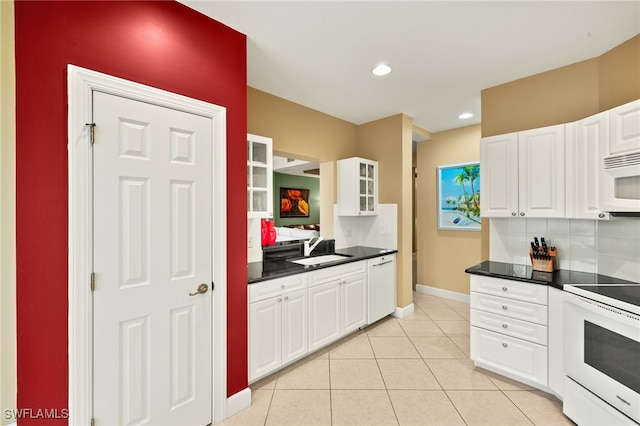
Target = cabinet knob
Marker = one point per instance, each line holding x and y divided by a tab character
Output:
601	215
521	213
504	307
282	286
504	345
504	325
504	289
279	299
513	213
286	298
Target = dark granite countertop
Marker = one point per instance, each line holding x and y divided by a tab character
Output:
555	279
262	271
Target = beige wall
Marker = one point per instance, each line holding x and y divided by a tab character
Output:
7	212
564	94
388	141
302	132
559	96
443	255
620	74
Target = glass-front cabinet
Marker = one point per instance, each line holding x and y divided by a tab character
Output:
357	187
259	176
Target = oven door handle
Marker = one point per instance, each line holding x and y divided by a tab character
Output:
602	310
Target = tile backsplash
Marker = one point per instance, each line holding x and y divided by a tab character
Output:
603	247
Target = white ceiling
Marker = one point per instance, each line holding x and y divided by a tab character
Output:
443	53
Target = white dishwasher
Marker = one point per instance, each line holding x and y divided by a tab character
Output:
381	293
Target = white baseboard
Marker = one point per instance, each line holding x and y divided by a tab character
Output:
447	294
238	402
403	312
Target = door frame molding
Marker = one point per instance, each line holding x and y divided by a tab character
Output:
81	85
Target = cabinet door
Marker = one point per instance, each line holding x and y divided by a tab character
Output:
625	129
265	337
353	298
295	341
357	187
324	314
541	172
499	182
367	187
259	177
584	166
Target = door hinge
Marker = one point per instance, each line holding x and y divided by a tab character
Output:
93	422
92	132
93	281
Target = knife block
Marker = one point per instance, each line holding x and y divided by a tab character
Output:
544	265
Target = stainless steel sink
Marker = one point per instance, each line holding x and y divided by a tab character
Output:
319	260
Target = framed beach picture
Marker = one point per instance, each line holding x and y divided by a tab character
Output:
294	202
459	197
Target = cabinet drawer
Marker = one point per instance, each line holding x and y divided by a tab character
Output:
515	358
516	290
525	330
336	272
509	308
266	289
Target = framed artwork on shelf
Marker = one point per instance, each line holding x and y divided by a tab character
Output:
459	197
294	202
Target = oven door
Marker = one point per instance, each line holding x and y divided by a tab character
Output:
602	352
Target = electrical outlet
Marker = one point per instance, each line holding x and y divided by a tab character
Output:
347	232
250	242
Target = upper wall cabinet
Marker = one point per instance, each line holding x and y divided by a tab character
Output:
357	187
259	177
523	174
584	141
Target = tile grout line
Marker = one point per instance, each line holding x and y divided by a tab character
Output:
395	414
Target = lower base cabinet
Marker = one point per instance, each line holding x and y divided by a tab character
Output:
278	324
336	308
293	316
510	329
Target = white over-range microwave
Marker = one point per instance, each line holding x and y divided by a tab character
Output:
620	156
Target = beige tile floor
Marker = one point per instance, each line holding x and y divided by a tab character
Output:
410	371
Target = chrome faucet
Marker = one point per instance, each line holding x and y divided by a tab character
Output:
308	249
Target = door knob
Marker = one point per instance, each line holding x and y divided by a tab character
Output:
202	289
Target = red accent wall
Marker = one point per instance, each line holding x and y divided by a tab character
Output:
158	43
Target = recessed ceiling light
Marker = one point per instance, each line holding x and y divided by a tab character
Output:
382	69
465	115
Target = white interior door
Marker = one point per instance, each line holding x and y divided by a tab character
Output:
152	349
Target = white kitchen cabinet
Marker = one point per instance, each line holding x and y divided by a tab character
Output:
259	177
278	316
337	302
523	174
357	187
509	332
541	166
556	353
324	314
624	131
584	141
499	176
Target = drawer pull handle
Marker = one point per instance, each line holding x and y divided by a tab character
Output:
504	307
504	345
504	289
504	325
